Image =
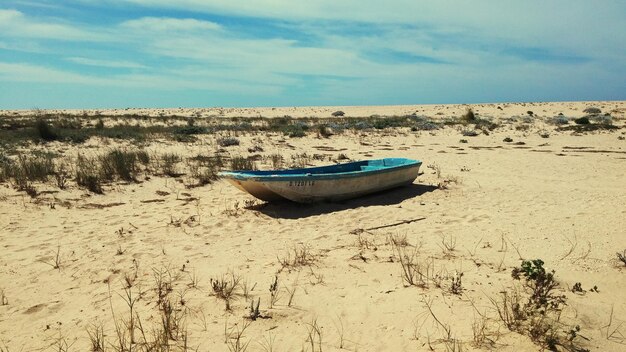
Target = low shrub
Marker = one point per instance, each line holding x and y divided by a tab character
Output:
227	141
242	163
582	120
44	130
592	110
87	174
121	163
469	133
559	120
190	130
469	116
167	164
295	130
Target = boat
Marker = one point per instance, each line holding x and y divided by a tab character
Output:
326	183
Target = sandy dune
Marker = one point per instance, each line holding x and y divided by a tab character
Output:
487	204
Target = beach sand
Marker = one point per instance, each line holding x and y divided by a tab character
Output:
486	204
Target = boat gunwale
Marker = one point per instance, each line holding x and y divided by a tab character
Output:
269	177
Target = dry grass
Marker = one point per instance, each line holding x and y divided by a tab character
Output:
225	288
414	270
298	256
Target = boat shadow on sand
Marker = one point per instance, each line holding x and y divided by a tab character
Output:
290	210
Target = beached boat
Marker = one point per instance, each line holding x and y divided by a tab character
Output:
326	183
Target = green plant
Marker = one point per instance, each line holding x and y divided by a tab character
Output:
539	317
541	283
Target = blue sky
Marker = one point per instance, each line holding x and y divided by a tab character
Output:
203	53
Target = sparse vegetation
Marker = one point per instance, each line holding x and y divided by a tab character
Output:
538	315
119	163
155	317
227	141
225	288
44	130
274	292
559	120
3	298
414	272
456	284
242	163
592	110
582	121
88	175
168	163
622	257
298	256
234	338
469	115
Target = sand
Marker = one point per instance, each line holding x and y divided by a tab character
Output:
487	204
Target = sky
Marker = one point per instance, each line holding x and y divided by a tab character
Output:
89	54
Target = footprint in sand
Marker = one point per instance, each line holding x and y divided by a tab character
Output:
36	308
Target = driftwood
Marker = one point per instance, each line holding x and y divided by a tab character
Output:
358	231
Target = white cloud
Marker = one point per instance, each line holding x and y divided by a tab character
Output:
165	24
21	72
173	79
105	63
573	25
312	42
13	23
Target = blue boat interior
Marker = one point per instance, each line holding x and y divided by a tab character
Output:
336	170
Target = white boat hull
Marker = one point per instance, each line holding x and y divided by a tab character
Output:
309	191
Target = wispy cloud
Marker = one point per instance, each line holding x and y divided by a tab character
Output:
19	72
14	23
105	63
303	52
165	24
